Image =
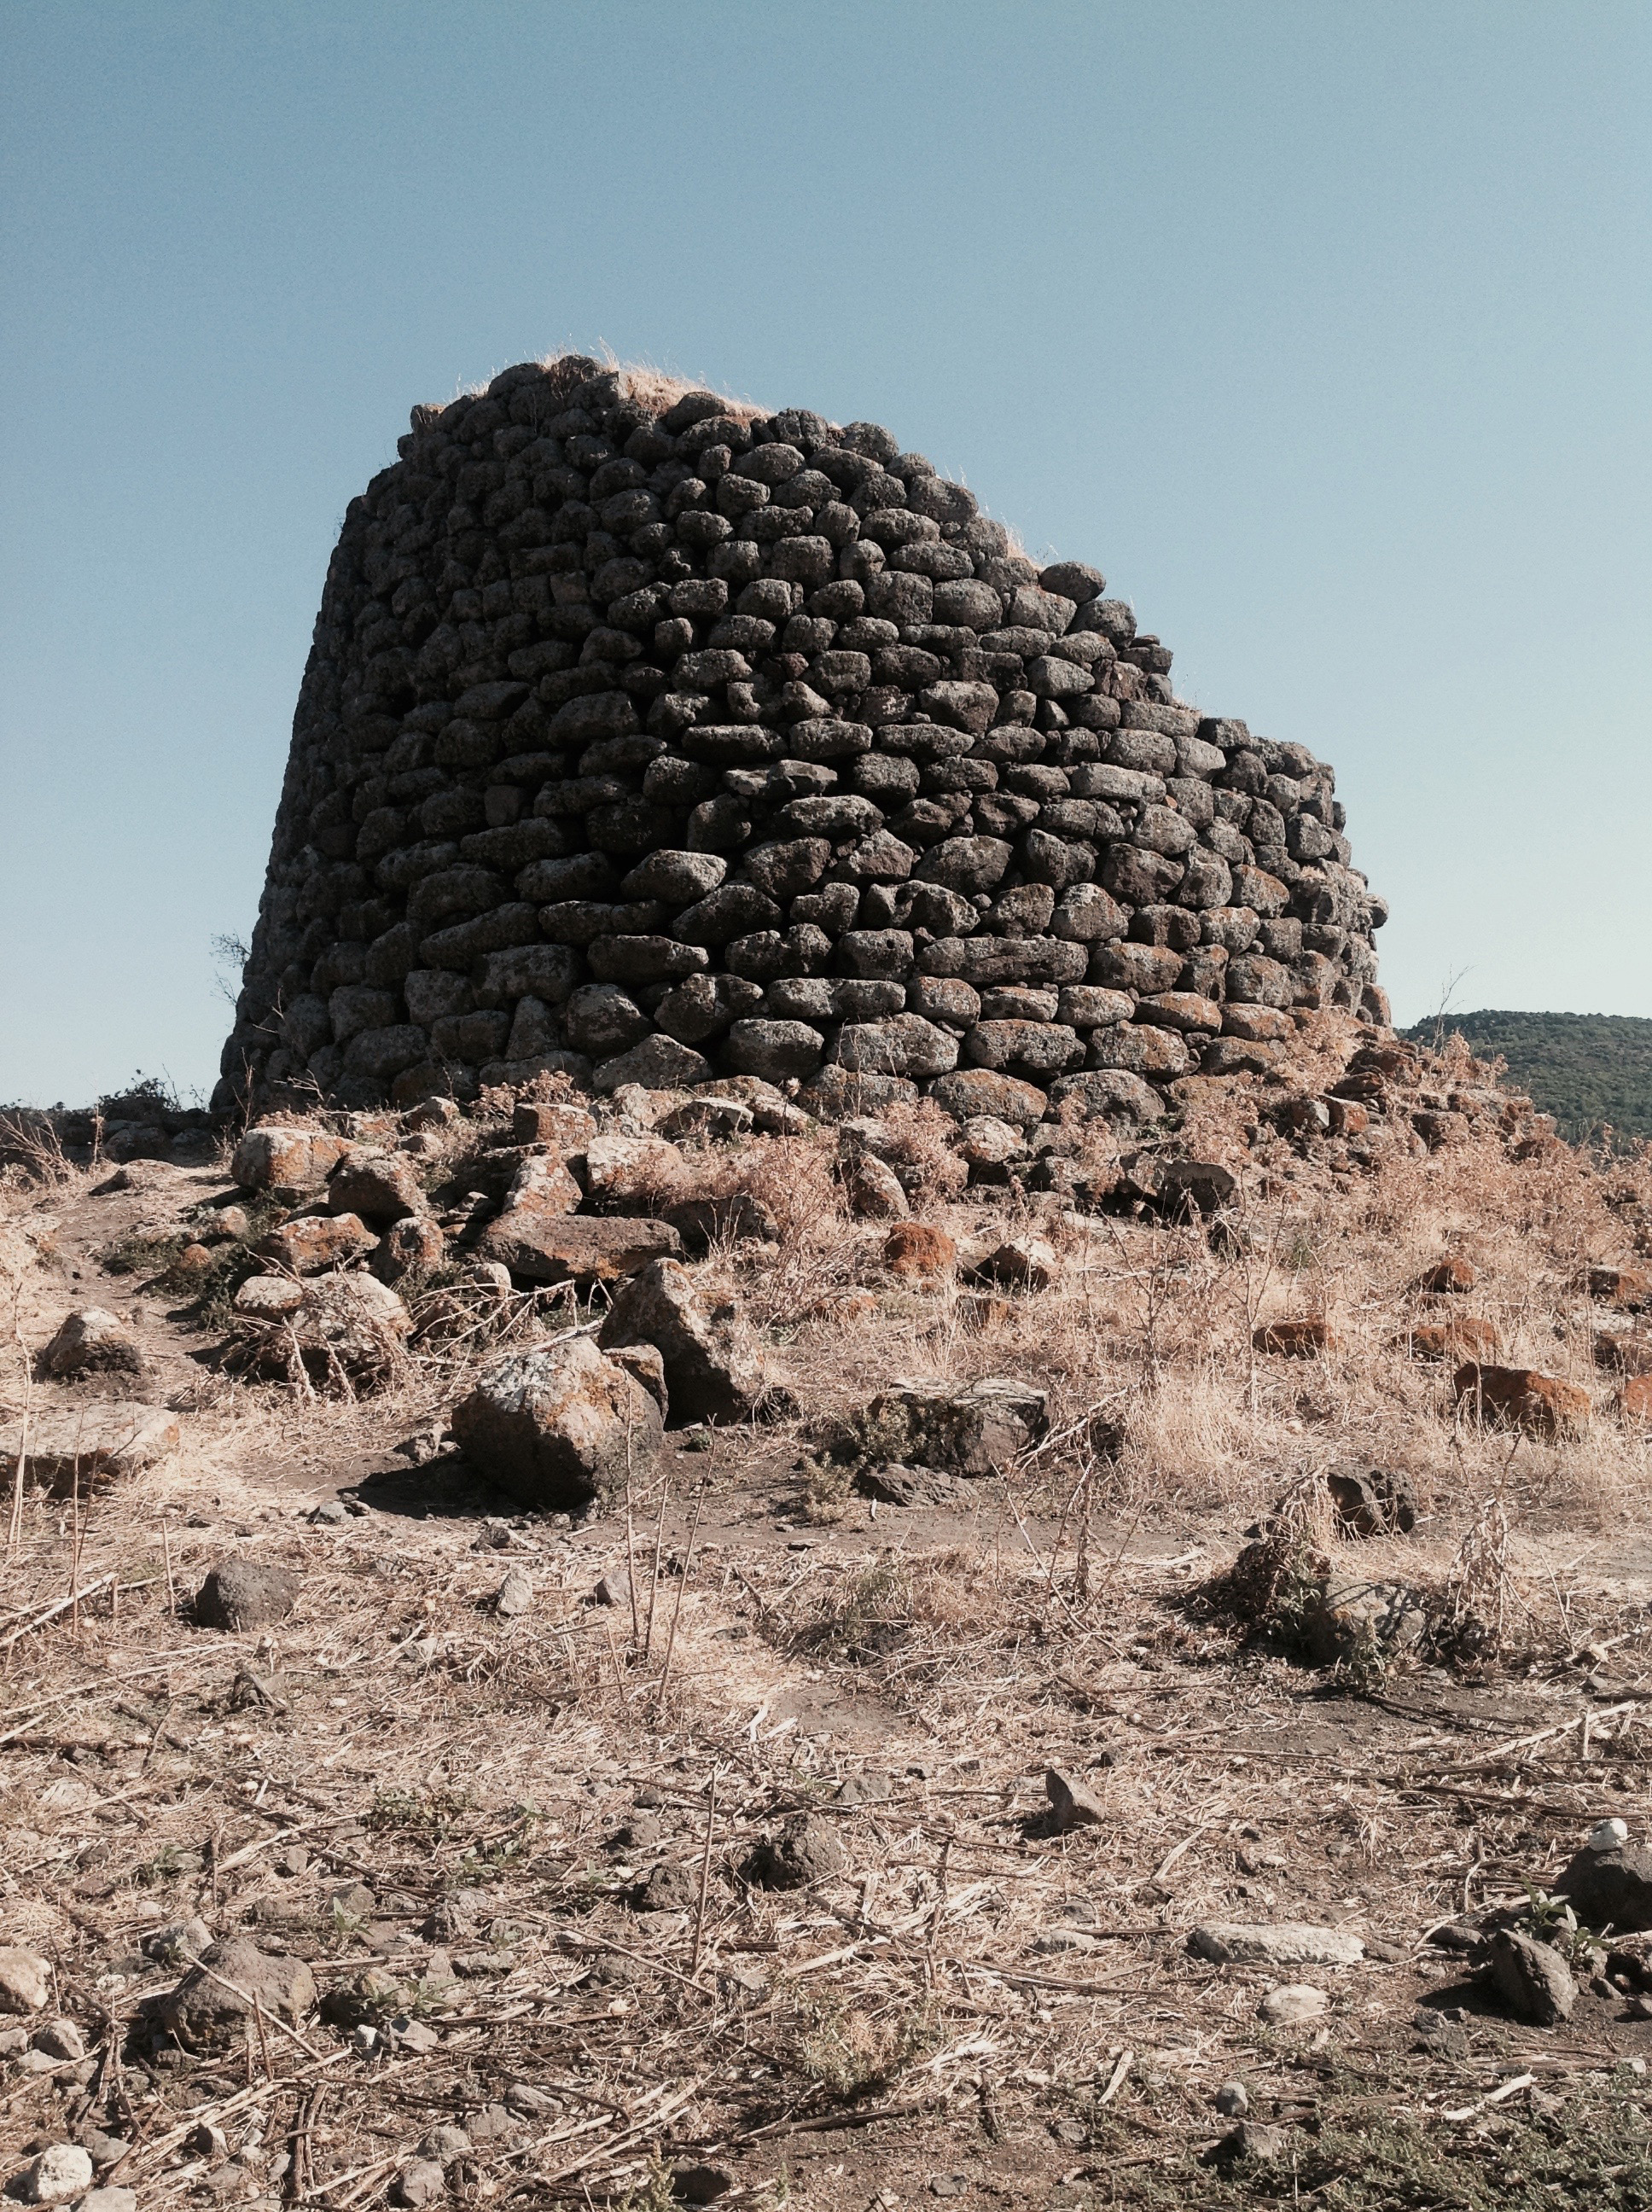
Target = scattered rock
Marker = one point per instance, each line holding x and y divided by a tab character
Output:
1452	1277
737	1219
893	1485
379	1186
1265	2143
315	1242
244	1594
918	1247
809	1849
92	1341
1376	1501
60	2039
874	1190
25	1981
625	1174
56	2175
1521	1398
559	1425
1634	1399
114	2199
973	1429
115	1437
1293	2004
1362	1621
560	1249
1531	1978
202	2011
1303	1338
1610	1884
667	1889
1232	2100
1282	1944
422	2182
1629	1289
179	1940
274	1158
1021	1262
710	1375
514	1596
1464	1334
1071	1805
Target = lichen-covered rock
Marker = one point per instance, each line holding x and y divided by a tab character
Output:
271	1158
92	1341
711	1375
972	1430
344	1329
558	1425
315	1242
726	762
379	1186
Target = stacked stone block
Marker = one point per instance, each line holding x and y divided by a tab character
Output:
650	738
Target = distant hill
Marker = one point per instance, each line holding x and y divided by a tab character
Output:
1585	1069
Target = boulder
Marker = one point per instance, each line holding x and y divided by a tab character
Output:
659	1063
272	1158
970	1430
241	1594
1611	1887
1111	1094
624	1173
1071	1805
1629	1289
1357	1622
316	1241
1544	1405
1530	1977
92	1341
918	1249
215	2001
1372	1501
268	1298
114	1438
379	1186
558	1425
806	1851
710	1375
1021	1262
891	1484
874	1190
1293	2004
1463	1335
971	1092
738	1218
1449	1277
565	1249
348	1328
409	1247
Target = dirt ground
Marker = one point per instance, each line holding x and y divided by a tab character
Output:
516	1848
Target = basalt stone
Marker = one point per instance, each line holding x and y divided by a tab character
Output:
606	727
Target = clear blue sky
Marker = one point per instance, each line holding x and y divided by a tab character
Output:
1324	329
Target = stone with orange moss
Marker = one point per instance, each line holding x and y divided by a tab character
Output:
1464	1336
1450	1277
1629	1289
1635	1401
918	1247
1302	1337
1523	1398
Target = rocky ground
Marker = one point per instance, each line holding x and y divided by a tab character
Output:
649	1649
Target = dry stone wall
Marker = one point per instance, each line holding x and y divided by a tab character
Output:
649	738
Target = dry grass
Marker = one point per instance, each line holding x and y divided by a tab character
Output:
983	1978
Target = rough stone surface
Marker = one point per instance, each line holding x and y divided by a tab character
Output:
557	751
1613	1886
559	1425
807	1850
274	1158
25	1980
114	1438
1293	2004
547	1248
1531	1978
973	1429
316	1241
57	2174
245	1593
92	1341
1521	1398
1283	1943
709	1373
202	2011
